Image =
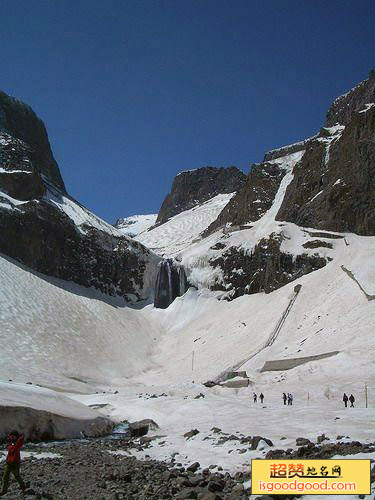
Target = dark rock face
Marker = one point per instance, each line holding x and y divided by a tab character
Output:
336	191
197	186
20	122
345	106
48	241
265	269
35	226
171	282
253	200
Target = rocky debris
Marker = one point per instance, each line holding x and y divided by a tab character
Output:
193	467
191	433
302	442
322	438
312	451
266	268
194	187
35	229
141	427
254	198
210	383
257	439
92	470
317	244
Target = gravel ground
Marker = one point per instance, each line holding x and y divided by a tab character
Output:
87	470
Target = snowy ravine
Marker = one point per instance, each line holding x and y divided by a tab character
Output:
75	339
78	353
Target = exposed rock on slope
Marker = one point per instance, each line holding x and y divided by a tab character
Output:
44	228
194	187
344	107
252	201
20	122
265	269
334	185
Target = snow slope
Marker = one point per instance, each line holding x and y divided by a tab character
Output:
136	224
177	234
57	333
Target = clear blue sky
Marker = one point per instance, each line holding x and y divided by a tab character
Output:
133	92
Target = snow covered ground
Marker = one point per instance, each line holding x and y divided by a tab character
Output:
63	335
180	231
136	224
232	411
76	340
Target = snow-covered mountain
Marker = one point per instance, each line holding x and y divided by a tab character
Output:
281	281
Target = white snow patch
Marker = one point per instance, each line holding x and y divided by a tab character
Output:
180	231
136	224
367	107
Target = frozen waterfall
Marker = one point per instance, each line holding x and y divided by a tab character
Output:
171	282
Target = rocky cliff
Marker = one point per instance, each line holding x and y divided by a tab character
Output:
333	185
194	187
45	229
19	122
262	239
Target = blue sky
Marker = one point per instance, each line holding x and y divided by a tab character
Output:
133	92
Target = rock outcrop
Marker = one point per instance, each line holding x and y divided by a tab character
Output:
47	230
194	187
253	199
265	269
334	185
347	105
20	122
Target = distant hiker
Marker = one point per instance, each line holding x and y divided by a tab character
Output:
261	397
255	397
13	460
345	399
290	399
285	397
351	399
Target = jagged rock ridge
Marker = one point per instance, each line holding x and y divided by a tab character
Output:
194	187
333	185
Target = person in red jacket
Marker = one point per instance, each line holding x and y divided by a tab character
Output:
13	460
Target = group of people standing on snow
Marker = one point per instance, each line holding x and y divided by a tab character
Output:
261	397
288	398
351	398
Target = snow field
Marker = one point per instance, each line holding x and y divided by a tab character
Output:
180	231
